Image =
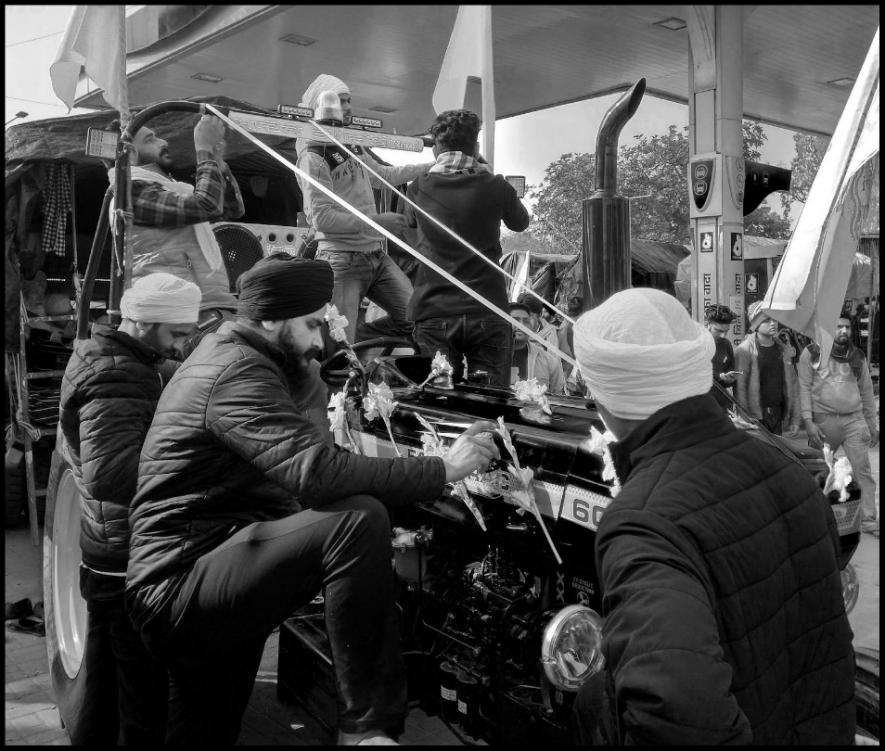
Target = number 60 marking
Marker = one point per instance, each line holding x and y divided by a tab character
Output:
584	513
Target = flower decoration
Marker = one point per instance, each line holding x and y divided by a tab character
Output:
599	444
337	324
839	476
338	418
532	391
433	446
379	403
439	367
522	489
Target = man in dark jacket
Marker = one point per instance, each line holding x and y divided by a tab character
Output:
463	194
108	396
245	510
724	617
719	319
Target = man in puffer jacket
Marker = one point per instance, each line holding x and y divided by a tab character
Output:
109	393
767	384
245	510
724	617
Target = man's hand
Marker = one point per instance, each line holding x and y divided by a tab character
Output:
874	437
793	431
392	222
730	377
208	133
815	435
471	451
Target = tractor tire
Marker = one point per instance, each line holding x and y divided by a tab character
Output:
866	694
15	487
65	613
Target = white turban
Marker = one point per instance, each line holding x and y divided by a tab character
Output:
161	298
323	82
640	351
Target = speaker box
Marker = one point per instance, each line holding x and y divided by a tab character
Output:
274	238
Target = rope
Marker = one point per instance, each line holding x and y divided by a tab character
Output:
433	219
390	236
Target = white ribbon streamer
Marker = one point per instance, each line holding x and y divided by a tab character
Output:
390	236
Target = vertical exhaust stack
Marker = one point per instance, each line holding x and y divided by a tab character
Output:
606	216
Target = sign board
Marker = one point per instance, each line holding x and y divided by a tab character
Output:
737	246
705	242
102	143
291	109
704	180
366	122
286	128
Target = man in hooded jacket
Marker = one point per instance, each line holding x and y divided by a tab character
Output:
354	250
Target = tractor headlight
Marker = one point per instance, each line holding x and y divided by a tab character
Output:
571	648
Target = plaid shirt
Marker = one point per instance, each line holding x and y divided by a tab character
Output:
457	161
216	196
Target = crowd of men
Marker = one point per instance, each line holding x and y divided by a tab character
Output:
217	503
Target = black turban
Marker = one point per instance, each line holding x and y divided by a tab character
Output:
281	286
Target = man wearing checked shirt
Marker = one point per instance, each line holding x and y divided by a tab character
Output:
171	231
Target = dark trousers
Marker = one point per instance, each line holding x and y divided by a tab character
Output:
594	718
773	418
487	343
126	690
214	630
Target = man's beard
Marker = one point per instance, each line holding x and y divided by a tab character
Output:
297	362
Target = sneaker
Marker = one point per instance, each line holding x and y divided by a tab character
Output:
368	738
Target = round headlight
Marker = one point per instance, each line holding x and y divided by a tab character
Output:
571	648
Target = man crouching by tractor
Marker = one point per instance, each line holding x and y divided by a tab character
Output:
109	393
246	510
724	615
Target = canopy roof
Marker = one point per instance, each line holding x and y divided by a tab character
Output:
799	60
64	138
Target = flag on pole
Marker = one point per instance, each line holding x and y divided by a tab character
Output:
470	54
95	39
811	281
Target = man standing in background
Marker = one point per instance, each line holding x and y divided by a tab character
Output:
463	194
839	408
766	378
351	247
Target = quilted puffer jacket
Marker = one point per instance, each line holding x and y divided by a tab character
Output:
724	618
231	445
108	396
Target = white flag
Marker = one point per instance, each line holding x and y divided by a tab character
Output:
470	54
95	39
811	281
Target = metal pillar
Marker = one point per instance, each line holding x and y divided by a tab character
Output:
716	164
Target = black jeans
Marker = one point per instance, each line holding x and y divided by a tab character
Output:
126	690
594	717
486	342
213	632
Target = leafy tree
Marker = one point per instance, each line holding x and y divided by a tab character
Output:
810	152
652	172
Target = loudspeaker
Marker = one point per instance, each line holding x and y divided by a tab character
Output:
274	238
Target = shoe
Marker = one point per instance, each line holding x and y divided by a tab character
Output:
367	738
16	610
29	625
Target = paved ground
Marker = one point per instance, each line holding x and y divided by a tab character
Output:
31	717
